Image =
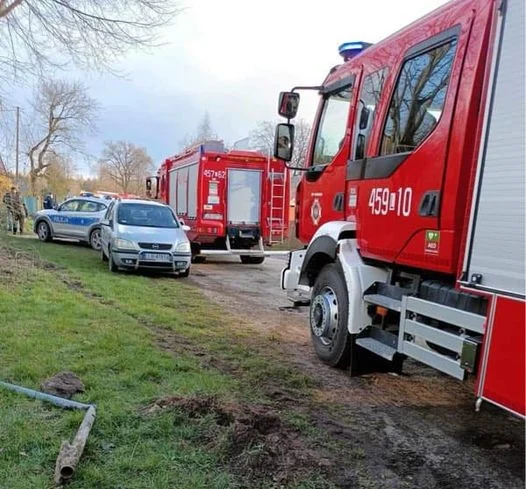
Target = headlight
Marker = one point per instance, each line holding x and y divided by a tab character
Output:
124	244
184	246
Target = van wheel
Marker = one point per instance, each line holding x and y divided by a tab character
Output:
252	260
186	273
102	254
329	316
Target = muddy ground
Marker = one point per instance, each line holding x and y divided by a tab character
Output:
417	430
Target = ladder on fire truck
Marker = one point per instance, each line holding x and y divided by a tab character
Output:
278	206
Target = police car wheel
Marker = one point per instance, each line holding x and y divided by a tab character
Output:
43	231
94	239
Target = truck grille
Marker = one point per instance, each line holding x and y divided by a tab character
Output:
155	246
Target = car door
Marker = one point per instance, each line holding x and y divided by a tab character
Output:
63	220
88	213
320	193
107	227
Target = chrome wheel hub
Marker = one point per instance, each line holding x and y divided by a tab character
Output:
324	315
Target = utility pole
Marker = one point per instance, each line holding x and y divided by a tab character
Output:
17	142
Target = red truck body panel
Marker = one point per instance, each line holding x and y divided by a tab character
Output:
414	206
215	191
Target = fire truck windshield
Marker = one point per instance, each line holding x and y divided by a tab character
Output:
146	215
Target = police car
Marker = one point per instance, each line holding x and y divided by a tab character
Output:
76	218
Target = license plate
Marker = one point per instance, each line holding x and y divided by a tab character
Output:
163	257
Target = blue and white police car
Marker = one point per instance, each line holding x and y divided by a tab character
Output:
77	218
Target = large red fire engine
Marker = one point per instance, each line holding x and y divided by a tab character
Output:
413	203
231	200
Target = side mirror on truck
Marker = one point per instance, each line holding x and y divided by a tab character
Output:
288	104
284	142
150	183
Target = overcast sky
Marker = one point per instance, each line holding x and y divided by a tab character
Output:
232	58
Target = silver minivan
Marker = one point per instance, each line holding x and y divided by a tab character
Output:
143	234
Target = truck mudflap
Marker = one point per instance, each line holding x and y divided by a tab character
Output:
290	276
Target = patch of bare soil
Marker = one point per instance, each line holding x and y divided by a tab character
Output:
412	431
15	266
63	384
256	444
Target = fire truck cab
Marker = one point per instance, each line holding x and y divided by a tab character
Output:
413	203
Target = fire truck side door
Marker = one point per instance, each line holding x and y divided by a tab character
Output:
322	197
400	188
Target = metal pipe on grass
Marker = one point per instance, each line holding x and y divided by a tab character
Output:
70	453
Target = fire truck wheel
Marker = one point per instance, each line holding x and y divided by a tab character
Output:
252	260
328	317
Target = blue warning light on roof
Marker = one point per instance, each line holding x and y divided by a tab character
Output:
349	50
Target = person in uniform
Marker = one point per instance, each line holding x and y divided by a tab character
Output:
19	212
8	201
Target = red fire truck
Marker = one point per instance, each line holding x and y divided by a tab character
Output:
231	200
413	203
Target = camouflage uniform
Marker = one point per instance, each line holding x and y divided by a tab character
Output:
17	209
8	201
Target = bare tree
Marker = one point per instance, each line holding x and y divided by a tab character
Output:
62	112
39	34
262	139
204	132
126	165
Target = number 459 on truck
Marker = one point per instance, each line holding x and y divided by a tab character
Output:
413	201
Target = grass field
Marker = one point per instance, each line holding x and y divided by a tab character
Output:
140	343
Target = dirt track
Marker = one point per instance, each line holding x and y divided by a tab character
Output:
418	430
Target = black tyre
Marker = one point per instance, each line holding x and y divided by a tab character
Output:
252	260
111	264
103	255
95	240
198	259
186	273
43	231
329	316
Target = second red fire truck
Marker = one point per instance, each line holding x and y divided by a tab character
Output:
413	203
233	201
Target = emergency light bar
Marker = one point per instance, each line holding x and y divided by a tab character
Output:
349	50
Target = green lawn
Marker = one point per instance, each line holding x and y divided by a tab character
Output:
131	339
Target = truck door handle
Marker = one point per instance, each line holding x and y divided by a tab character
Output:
430	204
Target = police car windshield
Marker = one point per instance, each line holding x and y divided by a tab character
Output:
145	215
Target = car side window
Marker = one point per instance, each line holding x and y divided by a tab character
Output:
88	206
370	95
418	99
331	130
70	206
108	212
